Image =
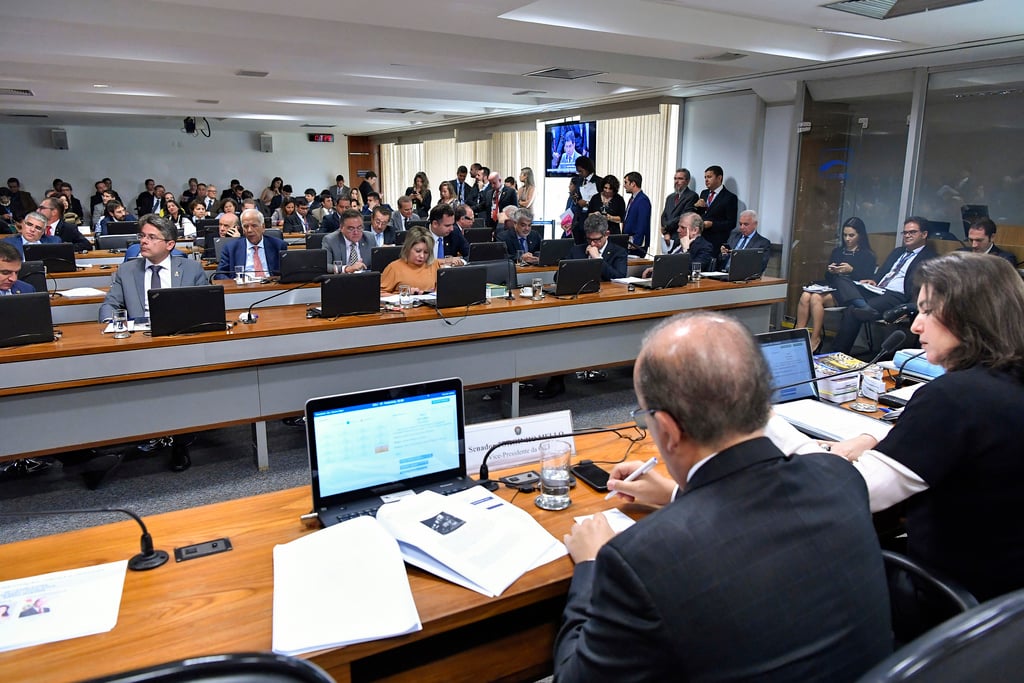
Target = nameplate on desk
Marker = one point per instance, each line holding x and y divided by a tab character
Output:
480	437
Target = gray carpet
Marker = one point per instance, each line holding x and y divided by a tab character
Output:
223	466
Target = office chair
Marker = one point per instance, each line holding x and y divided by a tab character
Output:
251	667
920	598
33	273
982	644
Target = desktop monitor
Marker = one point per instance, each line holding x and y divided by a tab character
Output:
27	319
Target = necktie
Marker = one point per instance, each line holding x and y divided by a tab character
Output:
154	278
494	208
380	238
711	197
462	192
440	248
743	242
522	244
257	264
679	195
353	254
895	269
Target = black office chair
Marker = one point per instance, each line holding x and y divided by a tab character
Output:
982	644
315	240
251	667
921	598
400	237
33	273
488	251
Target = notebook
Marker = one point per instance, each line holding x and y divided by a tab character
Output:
186	310
302	265
670	270
369	448
58	258
789	358
350	294
27	319
577	276
553	251
744	265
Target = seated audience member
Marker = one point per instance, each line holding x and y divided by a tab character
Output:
282	212
73	204
464	217
325	209
595	228
349	245
852	260
210	199
682	594
198	209
312	199
355	199
957	469
228	205
258	254
52	208
372	201
416	266
10	265
451	246
301	220
159	268
381	231
146	202
400	218
7	224
175	215
191	194
99	211
115	213
229	225
523	238
21	201
981	236
745	237
895	276
33	231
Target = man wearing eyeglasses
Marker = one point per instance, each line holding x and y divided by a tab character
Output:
56	226
894	278
158	268
758	566
597	246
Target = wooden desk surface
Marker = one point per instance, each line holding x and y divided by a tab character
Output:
223	603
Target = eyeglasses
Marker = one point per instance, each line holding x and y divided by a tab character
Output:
595	239
911	232
146	237
639	416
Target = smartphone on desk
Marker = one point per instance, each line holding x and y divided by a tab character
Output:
592	475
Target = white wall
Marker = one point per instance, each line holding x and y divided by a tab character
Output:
778	167
130	155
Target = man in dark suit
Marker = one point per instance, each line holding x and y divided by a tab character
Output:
451	245
495	197
21	201
53	209
381	230
680	201
745	237
74	205
340	189
350	244
33	231
895	277
10	265
735	577
637	223
405	213
981	236
144	202
718	206
258	254
596	230
301	220
459	185
523	237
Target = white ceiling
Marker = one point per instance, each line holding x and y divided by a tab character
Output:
329	61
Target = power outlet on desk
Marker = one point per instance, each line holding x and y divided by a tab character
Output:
191	552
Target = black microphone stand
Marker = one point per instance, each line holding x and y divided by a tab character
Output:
249	318
888	346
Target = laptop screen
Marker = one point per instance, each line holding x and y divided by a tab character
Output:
370	439
788	353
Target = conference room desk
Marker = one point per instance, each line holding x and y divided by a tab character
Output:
525	274
89	389
223	603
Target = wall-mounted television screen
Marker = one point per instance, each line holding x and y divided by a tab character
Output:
565	142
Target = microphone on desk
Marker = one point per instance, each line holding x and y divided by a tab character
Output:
513	280
898	382
148	558
891	343
215	273
249	318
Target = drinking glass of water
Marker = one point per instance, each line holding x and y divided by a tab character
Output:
555	457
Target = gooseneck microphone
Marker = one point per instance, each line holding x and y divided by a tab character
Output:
248	318
148	558
891	343
899	375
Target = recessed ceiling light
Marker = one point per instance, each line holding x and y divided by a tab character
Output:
100	85
848	34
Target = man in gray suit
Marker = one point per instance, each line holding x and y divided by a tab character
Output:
157	268
680	201
759	566
746	236
350	244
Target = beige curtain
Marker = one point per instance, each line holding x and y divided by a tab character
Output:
398	165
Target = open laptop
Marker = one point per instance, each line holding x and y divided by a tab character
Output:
116	243
58	258
122	228
576	276
744	265
463	286
186	310
33	273
380	257
487	251
27	319
670	270
789	358
553	251
479	235
369	448
499	271
350	294
302	265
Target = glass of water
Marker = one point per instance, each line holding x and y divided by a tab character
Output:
120	321
555	458
695	271
239	275
338	266
537	284
404	296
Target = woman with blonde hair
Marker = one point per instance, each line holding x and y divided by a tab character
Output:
415	265
527	188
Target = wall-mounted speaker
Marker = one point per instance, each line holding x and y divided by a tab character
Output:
59	137
266	143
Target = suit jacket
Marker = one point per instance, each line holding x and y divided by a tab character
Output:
456	244
293	223
909	289
996	251
736	580
128	288
75	206
722	213
506	197
756	241
20	287
511	240
320	212
338	192
338	251
615	259
638	222
454	182
399	223
22	203
673	210
700	251
68	232
19	243
144	203
234	254
389	235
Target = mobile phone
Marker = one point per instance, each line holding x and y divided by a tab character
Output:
592	475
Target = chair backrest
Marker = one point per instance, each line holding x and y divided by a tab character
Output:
315	240
274	232
982	644
120	242
252	667
921	598
33	273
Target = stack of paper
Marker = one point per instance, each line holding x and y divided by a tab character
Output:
345	584
844	388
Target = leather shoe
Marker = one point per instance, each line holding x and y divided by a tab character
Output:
554	387
865	314
180	459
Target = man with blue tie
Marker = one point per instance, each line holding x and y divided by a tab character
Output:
450	245
459	184
745	237
523	238
637	223
258	254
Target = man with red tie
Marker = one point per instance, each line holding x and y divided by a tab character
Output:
680	201
718	206
258	254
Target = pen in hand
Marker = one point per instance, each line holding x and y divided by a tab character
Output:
636	474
